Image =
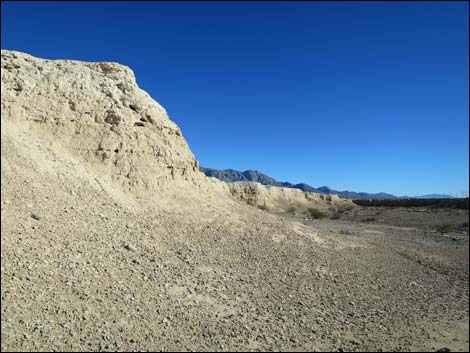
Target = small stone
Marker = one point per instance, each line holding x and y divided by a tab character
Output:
35	216
129	247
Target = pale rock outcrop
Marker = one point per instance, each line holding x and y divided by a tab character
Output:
97	112
274	198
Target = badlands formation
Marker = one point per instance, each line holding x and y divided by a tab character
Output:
112	239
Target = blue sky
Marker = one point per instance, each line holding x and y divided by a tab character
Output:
368	96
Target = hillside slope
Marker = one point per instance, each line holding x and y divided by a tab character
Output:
97	113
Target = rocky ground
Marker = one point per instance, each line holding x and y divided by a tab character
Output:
129	248
85	270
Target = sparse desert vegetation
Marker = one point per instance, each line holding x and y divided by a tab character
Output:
315	213
291	209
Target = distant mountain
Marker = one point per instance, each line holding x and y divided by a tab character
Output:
433	196
305	187
231	175
355	195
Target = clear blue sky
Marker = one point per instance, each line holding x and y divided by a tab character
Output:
358	96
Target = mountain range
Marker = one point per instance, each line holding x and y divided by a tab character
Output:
232	175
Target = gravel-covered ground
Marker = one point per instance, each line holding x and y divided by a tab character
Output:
82	270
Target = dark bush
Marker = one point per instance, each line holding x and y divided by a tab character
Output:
345	208
444	228
315	214
336	215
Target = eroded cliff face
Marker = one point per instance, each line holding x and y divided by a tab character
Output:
273	198
97	112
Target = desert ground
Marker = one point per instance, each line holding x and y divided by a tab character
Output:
111	244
